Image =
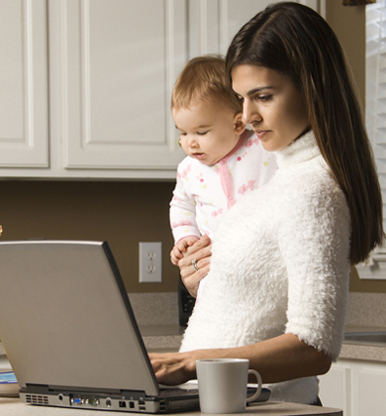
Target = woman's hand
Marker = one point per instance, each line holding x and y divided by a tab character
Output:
200	251
174	368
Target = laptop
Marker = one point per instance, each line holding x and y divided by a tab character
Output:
70	332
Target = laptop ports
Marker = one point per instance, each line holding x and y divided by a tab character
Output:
93	401
77	400
87	401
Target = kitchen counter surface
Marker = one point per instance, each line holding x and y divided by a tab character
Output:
162	337
168	338
361	350
9	406
365	352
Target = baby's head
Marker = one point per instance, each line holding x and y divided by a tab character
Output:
204	79
206	111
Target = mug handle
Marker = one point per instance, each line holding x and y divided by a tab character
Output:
256	394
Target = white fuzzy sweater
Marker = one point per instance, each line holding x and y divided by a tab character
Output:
280	264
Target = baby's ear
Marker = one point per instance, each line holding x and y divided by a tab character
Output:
238	124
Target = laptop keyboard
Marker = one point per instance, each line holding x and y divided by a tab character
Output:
177	392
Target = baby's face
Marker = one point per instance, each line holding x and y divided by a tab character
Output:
208	131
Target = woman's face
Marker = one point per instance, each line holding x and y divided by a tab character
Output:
272	105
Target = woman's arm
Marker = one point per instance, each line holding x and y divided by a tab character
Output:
278	359
201	251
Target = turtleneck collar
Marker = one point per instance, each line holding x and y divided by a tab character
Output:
300	150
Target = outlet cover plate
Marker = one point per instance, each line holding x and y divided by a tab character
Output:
150	262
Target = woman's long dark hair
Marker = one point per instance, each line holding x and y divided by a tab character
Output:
294	40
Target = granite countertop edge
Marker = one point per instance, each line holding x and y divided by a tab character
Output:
168	338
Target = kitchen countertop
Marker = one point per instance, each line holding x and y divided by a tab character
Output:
157	317
162	338
10	406
363	351
366	312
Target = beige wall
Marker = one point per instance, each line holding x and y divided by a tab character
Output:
348	22
125	213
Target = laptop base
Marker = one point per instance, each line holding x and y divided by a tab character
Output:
125	402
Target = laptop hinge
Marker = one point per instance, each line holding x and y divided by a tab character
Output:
36	388
85	390
45	389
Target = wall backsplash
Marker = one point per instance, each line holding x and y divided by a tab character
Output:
367	309
123	213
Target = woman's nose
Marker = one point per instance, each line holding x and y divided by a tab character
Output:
250	114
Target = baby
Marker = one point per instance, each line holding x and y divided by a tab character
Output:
224	160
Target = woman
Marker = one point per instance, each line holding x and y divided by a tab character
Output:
278	284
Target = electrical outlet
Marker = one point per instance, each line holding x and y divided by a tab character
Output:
150	262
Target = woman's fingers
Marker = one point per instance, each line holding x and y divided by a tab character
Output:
195	264
202	254
173	368
192	281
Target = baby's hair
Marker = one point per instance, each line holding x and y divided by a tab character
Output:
204	79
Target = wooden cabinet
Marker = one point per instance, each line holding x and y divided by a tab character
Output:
357	387
88	82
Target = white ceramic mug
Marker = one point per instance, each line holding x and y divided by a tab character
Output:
222	385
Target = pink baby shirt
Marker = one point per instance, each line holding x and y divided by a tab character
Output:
204	193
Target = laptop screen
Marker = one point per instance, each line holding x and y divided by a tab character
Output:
66	318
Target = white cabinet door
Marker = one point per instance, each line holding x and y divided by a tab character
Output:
213	24
23	84
335	387
118	61
356	387
112	66
369	387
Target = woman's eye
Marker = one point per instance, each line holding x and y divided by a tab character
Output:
264	98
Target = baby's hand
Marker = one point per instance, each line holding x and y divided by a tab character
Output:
180	248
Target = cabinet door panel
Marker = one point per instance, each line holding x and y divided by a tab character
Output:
213	24
24	84
371	390
335	387
119	62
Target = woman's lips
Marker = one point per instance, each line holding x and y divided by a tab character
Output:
262	134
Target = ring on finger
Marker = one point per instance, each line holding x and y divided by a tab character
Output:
194	264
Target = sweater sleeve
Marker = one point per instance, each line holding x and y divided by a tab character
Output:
314	242
183	210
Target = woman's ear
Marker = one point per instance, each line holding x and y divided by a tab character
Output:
239	126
